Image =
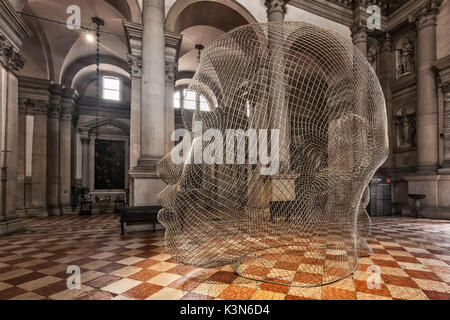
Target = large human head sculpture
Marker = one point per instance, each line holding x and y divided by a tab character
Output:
289	129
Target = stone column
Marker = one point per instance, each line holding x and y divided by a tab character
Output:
427	110
171	70
53	150
85	161
65	150
135	63
10	63
276	10
153	85
445	87
173	43
386	76
20	196
145	183
446	91
39	109
359	37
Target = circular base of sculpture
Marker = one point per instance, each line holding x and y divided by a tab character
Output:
299	266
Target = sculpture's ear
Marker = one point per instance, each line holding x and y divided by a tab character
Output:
348	144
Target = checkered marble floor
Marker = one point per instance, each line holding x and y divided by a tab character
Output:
413	256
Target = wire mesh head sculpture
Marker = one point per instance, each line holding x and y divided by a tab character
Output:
274	176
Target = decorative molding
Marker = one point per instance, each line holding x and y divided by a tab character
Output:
445	87
9	56
35	107
274	6
359	32
85	140
135	64
442	68
326	9
171	72
105	126
427	15
12	24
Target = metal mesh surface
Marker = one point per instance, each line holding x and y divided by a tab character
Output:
305	223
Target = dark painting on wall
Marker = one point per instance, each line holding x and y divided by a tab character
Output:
109	164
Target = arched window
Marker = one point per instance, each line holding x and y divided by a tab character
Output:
111	88
190	100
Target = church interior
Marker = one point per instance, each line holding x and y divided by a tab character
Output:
91	93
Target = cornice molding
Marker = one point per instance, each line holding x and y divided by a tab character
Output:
10	57
427	14
442	67
11	25
326	9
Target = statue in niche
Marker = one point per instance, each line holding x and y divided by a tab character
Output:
407	131
406	54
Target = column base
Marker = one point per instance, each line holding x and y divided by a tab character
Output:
427	169
436	204
67	210
10	225
36	212
53	211
146	187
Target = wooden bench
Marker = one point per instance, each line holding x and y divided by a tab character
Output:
138	214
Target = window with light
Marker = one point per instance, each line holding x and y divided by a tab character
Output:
190	100
111	88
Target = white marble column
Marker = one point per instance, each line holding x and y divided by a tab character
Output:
53	150
145	184
65	150
427	110
153	85
85	161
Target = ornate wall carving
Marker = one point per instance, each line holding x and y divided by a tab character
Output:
405	55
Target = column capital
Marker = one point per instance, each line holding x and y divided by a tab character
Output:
23	105
359	32
171	71
135	64
445	87
427	15
276	6
9	57
85	140
36	107
54	110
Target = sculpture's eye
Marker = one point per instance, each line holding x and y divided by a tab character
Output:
272	175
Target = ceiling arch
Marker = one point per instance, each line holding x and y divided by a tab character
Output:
76	66
221	14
